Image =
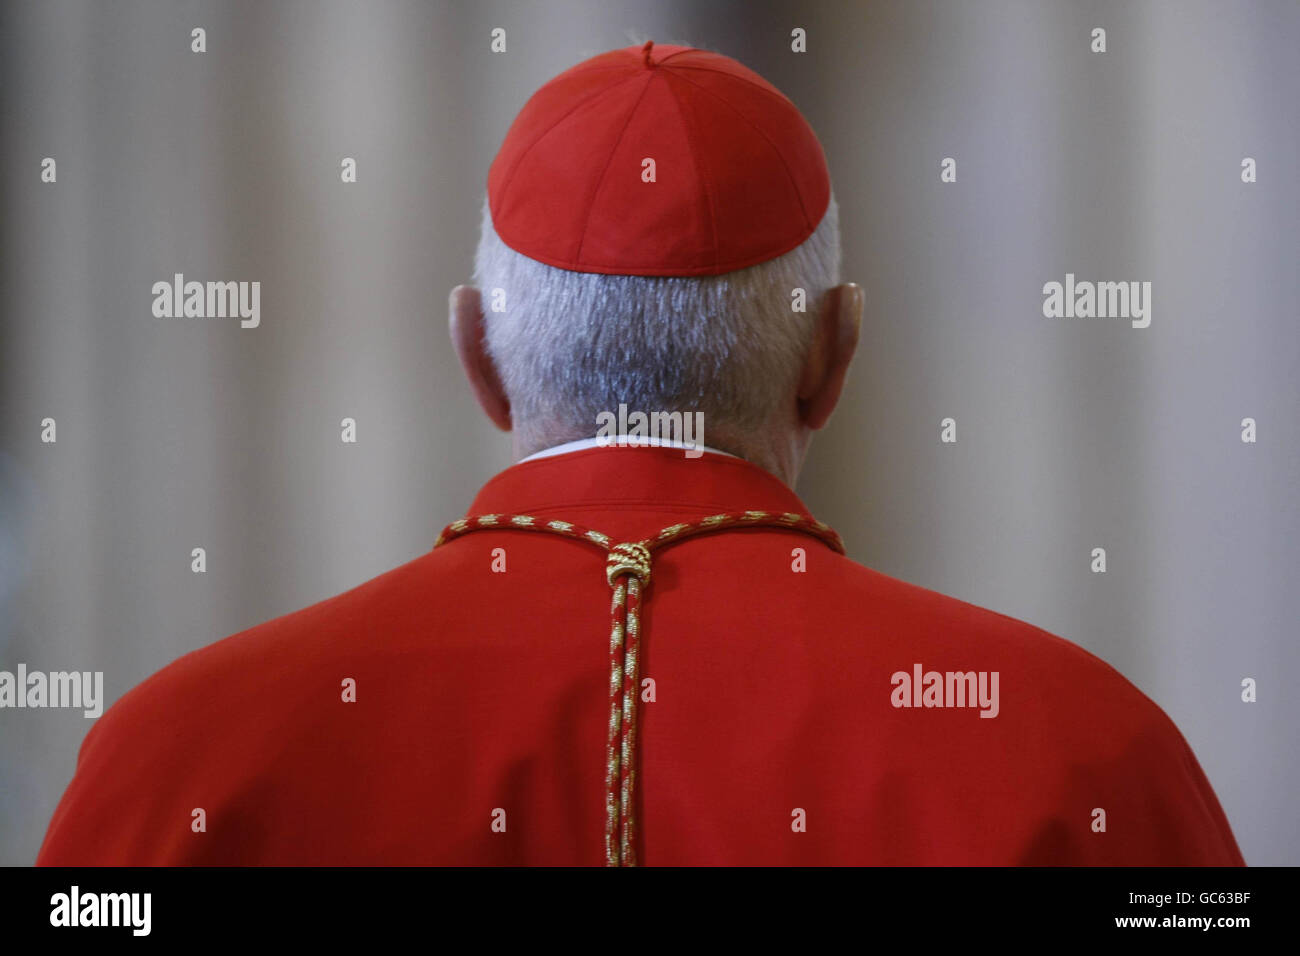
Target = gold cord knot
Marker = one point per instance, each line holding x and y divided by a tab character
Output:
630	557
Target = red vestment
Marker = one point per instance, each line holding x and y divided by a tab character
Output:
479	728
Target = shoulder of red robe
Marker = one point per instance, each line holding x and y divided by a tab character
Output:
214	724
1085	736
1119	750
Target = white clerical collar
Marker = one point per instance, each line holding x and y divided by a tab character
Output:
594	442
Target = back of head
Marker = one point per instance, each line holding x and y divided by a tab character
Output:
659	233
570	345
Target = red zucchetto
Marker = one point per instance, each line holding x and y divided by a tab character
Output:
658	161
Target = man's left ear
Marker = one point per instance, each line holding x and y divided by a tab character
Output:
834	342
466	321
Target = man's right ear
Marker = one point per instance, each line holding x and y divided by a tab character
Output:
466	320
834	342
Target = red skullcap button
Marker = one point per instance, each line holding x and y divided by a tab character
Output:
658	161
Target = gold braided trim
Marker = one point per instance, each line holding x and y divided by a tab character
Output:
627	570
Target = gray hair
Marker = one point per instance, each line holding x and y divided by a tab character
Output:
569	345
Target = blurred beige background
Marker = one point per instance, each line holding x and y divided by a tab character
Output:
1073	434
